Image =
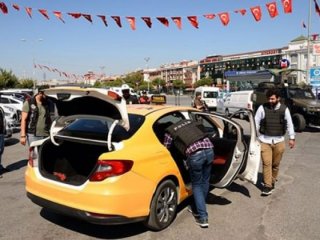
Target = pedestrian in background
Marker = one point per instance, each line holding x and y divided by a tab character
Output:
2	131
188	138
273	120
130	99
198	103
35	119
144	99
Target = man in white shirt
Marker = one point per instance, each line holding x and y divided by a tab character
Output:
273	120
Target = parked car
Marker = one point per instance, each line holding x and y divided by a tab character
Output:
234	101
11	101
104	161
13	117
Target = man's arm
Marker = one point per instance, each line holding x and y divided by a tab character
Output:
290	128
258	117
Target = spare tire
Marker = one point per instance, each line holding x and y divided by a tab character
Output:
299	122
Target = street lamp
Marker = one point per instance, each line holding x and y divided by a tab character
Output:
33	59
147	67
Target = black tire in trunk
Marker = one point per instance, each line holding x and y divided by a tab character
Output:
70	162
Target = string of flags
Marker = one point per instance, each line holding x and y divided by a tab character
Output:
61	73
225	17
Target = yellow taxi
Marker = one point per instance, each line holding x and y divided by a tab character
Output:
104	161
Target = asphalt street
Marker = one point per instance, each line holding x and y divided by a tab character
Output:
238	212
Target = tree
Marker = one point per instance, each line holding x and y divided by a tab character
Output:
204	82
178	84
25	83
7	79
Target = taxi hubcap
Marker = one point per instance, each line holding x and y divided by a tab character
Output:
166	205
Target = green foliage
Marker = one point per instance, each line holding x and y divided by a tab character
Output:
159	81
133	79
178	84
7	79
25	83
204	82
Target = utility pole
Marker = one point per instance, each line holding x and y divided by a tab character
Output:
147	59
33	59
308	44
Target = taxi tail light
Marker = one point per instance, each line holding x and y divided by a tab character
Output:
33	156
110	168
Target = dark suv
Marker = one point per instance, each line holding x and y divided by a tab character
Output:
303	105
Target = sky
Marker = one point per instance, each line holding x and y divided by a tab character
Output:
78	46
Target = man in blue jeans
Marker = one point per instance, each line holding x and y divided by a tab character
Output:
188	138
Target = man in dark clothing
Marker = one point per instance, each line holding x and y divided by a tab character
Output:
35	119
273	119
188	138
130	99
2	131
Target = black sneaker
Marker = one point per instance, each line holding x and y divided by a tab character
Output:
203	223
266	191
273	186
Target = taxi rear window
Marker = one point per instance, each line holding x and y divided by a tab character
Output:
98	129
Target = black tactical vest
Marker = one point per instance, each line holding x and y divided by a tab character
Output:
33	116
273	123
184	133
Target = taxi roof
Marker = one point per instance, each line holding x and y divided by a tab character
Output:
145	109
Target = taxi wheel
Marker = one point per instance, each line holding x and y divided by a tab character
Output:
163	206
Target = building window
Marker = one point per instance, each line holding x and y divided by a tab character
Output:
294	58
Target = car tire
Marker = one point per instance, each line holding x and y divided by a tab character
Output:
163	206
299	122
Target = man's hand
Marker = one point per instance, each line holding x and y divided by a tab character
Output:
292	143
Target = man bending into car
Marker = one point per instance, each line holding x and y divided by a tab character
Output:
188	138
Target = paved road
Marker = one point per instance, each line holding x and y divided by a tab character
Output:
239	212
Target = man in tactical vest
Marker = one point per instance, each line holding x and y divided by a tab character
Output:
273	119
35	119
188	138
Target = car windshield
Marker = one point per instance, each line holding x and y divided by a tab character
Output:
98	129
208	94
301	93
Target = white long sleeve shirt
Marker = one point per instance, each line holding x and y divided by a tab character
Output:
260	114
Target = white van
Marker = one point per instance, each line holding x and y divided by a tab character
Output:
208	95
235	101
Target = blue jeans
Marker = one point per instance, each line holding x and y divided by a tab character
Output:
1	149
200	164
31	138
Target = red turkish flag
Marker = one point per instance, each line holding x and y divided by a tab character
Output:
87	16
132	22
75	15
209	16
16	6
164	21
104	20
117	19
256	12
58	15
272	9
147	20
242	11
224	18
44	13
194	21
29	11
316	7
3	8
177	21
287	6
